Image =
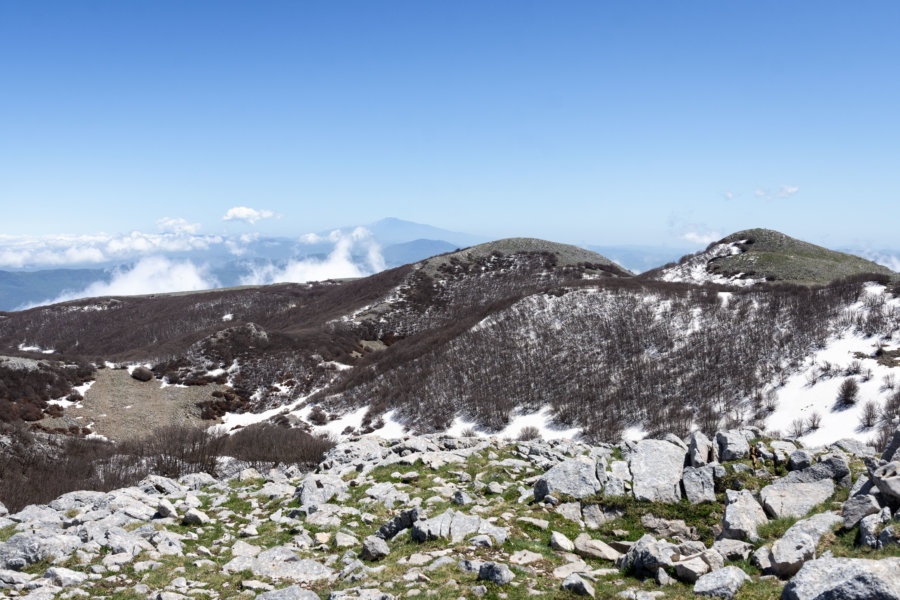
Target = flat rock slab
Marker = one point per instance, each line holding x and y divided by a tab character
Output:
574	477
783	499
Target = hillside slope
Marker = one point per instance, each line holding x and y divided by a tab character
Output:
762	255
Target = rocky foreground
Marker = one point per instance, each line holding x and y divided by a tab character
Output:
735	516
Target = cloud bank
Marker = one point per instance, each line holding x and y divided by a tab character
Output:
339	263
150	275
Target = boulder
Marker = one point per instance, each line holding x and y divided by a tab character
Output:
845	579
402	521
732	445
316	490
892	447
586	546
721	583
743	515
142	374
374	548
733	549
559	541
456	527
3	510
578	586
61	577
700	450
887	479
699	484
646	556
195	517
656	470
800	459
691	568
280	563
497	573
574	477
798	544
858	507
786	499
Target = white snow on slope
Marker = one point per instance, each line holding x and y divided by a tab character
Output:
798	399
694	270
25	348
541	420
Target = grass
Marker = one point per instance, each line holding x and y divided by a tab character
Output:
7	532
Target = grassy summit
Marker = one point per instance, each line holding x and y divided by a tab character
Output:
777	257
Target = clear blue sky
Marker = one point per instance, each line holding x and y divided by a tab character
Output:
588	122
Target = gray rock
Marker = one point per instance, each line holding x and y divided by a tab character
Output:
289	593
732	445
387	494
586	546
578	586
845	579
280	563
786	499
374	548
668	528
573	477
892	447
870	527
700	449
196	481
857	507
195	517
559	541
762	559
743	515
721	583
798	544
733	549
656	469
28	548
461	498
691	568
3	510
699	484
571	511
61	577
497	573
800	459
646	556
456	527
887	479
316	490
165	509
142	374
402	521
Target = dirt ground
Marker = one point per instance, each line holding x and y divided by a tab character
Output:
120	407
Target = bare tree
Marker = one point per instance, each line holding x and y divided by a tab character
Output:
814	421
848	392
869	415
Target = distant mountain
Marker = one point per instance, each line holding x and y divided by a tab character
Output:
763	255
391	231
638	259
18	288
414	251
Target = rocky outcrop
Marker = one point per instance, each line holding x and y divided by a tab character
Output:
795	499
575	478
743	515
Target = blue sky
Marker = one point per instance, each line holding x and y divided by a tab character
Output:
587	122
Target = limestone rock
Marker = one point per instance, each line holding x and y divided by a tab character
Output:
743	515
732	445
374	548
845	579
700	449
559	541
798	544
721	583
578	586
586	546
497	573
699	484
786	499
858	507
656	469
573	477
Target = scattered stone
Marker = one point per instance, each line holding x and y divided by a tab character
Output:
586	546
721	583
560	542
732	445
700	449
699	484
575	584
289	593
798	544
495	573
374	548
142	374
195	517
539	523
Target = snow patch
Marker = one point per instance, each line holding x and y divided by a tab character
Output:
696	268
227	317
25	348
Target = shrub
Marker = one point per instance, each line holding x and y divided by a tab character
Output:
814	421
869	415
848	392
529	432
798	427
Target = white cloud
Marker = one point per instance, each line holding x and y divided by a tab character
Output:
729	195
62	250
177	225
889	260
339	264
702	238
785	191
244	213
